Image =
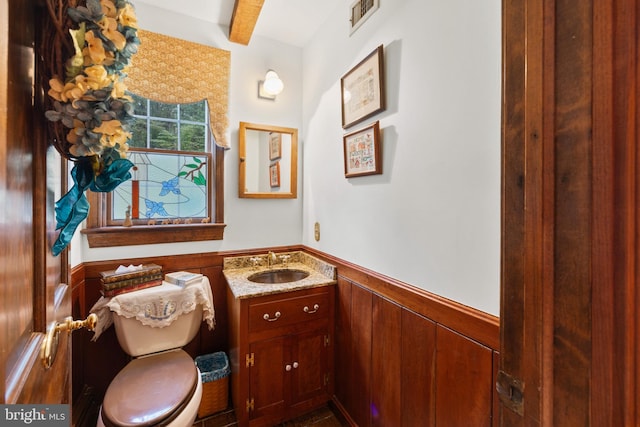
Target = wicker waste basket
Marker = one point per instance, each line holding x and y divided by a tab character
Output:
214	370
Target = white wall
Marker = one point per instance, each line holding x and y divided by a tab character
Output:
251	223
432	219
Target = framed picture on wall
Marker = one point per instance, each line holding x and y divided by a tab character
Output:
274	175
362	152
275	145
362	89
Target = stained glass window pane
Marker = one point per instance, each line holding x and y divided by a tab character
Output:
164	186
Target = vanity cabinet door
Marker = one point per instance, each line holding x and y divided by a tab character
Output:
310	375
287	372
266	377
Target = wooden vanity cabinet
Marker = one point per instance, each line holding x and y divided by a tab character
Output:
281	354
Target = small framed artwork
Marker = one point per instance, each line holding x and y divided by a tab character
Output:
362	89
362	152
275	145
274	175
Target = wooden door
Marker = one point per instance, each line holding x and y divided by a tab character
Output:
32	289
570	218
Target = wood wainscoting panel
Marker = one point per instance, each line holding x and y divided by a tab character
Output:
464	381
468	321
361	337
418	370
344	346
386	363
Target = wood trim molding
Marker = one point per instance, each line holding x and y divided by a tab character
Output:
151	234
475	324
77	275
176	262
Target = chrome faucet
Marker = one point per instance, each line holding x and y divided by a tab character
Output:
271	259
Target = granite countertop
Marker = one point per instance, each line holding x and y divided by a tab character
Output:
237	270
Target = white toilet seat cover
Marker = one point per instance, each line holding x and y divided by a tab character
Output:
150	391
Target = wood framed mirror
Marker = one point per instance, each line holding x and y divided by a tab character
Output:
268	162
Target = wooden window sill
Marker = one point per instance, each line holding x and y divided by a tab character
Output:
104	237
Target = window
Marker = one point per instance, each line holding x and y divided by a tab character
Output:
164	186
176	191
170	177
181	127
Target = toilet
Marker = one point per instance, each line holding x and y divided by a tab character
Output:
161	385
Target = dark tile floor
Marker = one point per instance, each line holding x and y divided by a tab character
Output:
323	417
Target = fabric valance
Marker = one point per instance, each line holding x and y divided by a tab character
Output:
171	70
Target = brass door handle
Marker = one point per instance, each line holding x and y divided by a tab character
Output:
70	325
49	347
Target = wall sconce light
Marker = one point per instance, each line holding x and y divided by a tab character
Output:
270	86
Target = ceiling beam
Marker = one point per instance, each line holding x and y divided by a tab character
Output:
244	18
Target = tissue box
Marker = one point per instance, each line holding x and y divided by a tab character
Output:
183	278
145	270
113	283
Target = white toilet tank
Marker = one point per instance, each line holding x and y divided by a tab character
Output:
137	339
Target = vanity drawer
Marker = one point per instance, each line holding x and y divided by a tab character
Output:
287	311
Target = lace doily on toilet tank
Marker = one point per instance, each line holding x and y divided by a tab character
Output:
156	307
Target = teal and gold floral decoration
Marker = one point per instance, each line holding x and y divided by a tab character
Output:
92	104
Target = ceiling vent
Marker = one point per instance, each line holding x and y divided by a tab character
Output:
360	11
